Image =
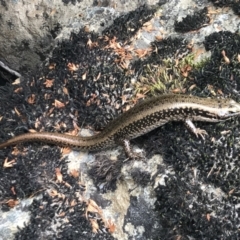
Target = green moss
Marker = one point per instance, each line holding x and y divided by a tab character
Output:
170	76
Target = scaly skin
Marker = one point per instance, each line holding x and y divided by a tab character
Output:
142	118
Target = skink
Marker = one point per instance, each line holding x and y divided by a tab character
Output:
142	118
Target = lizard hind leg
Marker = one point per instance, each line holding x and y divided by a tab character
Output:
128	149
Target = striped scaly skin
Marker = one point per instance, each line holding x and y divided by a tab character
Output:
142	118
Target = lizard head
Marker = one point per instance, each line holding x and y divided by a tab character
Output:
229	108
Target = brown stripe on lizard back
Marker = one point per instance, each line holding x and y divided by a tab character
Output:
140	119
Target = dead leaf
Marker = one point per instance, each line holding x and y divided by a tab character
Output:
73	203
192	87
59	175
84	76
54	193
12	203
238	57
17	81
31	99
66	150
32	83
61	214
18	90
74	173
86	28
59	104
225	132
67	184
89	43
98	76
190	45
178	90
159	38
140	96
52	66
231	191
17	112
13	190
72	67
60	125
93	208
49	83
95	226
110	225
65	90
8	164
124	64
53	12
185	70
226	59
148	26
47	96
32	130
76	129
211	89
142	52
16	152
50	111
37	123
